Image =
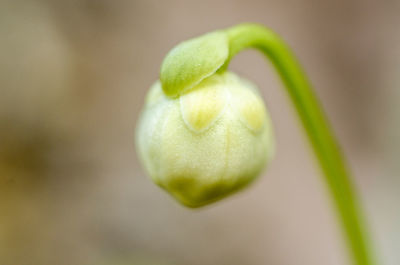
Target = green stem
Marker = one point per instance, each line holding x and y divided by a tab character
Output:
319	133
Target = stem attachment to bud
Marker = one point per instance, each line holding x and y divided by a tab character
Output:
169	148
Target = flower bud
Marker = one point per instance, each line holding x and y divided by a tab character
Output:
208	142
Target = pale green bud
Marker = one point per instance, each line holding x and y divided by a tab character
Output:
211	140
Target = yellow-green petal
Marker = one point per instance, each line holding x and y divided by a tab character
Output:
204	104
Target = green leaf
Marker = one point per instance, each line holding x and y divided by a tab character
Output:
191	61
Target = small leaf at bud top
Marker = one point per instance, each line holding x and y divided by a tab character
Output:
193	60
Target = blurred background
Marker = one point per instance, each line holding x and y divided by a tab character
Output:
73	76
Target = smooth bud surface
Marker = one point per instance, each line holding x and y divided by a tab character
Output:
208	142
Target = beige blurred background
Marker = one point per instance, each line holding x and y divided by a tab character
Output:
73	75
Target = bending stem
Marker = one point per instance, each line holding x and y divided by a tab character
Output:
319	133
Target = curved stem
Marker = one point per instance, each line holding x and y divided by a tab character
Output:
319	133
